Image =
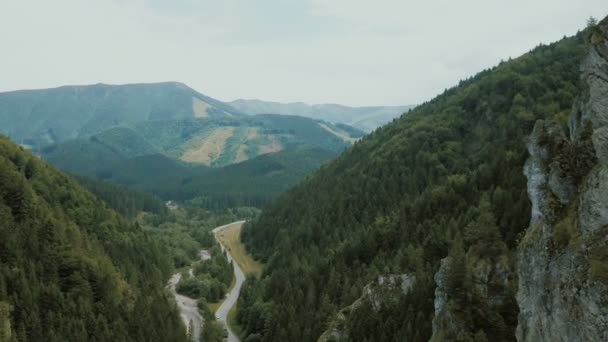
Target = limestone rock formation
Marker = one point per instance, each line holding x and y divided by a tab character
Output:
563	258
457	315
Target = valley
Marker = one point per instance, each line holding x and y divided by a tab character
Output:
188	307
152	212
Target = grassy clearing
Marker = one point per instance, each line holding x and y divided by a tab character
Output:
242	152
199	108
231	238
210	148
339	133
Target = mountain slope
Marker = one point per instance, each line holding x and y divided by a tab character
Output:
250	183
444	179
70	268
363	118
563	258
212	141
40	117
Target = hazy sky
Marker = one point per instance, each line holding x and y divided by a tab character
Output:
341	51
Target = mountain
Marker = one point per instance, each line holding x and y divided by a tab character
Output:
71	269
211	141
252	182
36	118
412	234
563	257
363	118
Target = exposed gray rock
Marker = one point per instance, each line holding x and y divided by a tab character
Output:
593	207
563	292
441	296
492	280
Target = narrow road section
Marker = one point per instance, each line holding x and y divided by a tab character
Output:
231	298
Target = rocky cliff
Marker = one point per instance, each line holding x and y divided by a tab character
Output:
563	258
483	302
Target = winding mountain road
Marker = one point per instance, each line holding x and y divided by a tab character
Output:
231	298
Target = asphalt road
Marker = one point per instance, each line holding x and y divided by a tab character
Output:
222	312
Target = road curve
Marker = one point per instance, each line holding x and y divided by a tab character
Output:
231	298
188	308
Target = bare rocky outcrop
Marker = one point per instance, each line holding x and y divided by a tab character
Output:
563	258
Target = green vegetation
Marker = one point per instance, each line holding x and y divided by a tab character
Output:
90	155
210	280
233	323
128	202
37	118
363	118
251	183
213	332
145	156
70	268
397	201
188	229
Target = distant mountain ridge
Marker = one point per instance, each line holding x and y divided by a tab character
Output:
365	118
36	118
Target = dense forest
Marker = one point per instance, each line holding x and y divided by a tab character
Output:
210	279
251	183
445	179
126	201
71	269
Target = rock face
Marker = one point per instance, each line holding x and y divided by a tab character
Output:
385	288
491	280
563	258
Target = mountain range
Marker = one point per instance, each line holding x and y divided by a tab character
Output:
363	118
37	118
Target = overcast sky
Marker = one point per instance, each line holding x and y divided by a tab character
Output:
355	52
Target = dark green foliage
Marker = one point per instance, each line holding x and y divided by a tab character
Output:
85	156
254	182
188	229
394	202
90	155
128	202
251	183
211	278
213	332
70	268
153	173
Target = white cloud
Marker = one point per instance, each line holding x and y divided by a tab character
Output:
347	51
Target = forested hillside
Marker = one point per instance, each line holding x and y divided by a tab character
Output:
253	182
213	142
45	116
126	201
444	179
70	268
